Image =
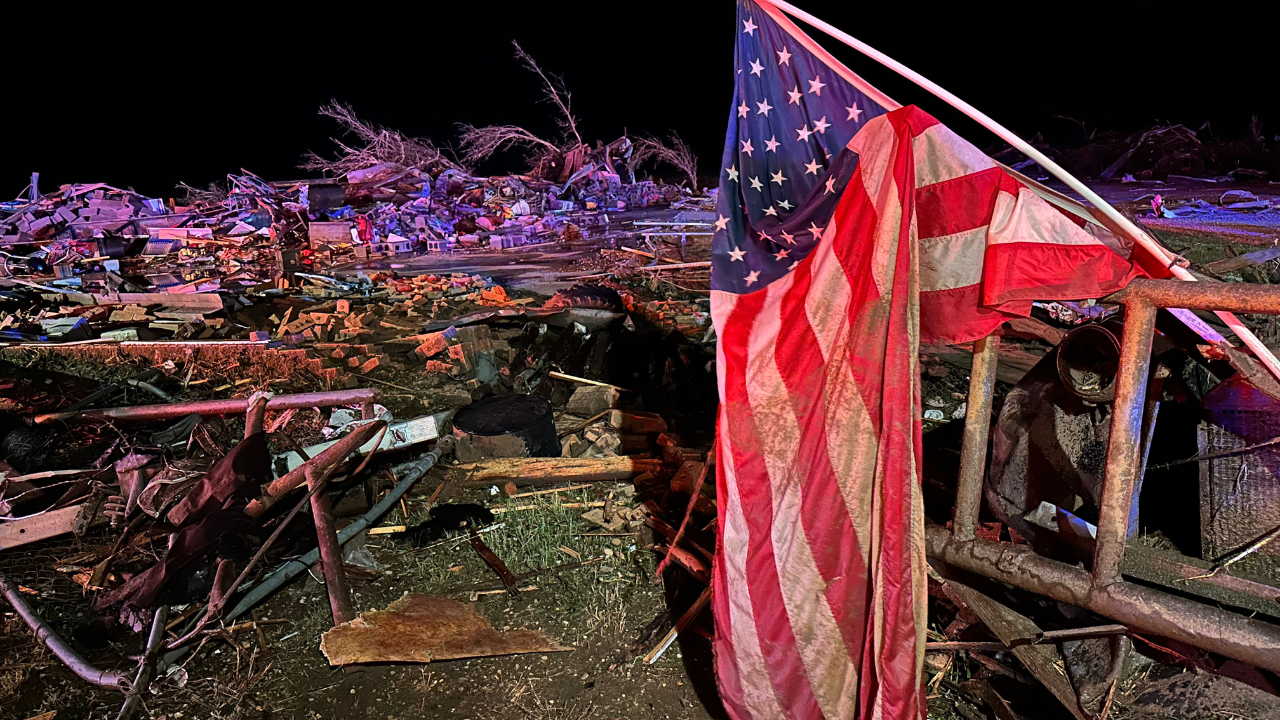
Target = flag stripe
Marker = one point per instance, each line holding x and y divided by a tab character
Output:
746	686
826	517
960	204
777	641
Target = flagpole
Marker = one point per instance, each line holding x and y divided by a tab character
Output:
1263	353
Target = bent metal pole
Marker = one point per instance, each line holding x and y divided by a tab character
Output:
1125	224
233	406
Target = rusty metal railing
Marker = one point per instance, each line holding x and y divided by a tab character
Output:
1102	590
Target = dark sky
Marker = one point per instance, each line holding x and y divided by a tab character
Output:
146	98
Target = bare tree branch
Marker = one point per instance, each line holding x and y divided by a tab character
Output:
373	145
677	154
479	143
557	94
213	195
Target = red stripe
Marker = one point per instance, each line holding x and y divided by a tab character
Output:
962	203
773	625
828	527
899	689
956	315
1040	271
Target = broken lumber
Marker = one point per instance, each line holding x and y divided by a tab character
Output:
539	471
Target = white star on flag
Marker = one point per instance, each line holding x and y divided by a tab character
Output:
771	211
854	113
812	167
764	108
756	67
820	125
793	265
784	57
817	231
756	184
781	254
785	204
795	96
791	239
752	277
721	223
735	255
816	85
778	177
743	109
746	147
733	172
804	134
831	185
749	28
771	145
764	236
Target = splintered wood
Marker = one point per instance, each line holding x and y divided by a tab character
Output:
425	628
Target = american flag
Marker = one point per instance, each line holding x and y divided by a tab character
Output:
849	230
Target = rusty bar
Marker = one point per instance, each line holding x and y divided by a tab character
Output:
977	427
234	406
1245	639
1205	295
1150	412
1120	473
45	634
329	456
335	576
366	411
255	414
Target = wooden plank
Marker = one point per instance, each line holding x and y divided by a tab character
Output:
1176	571
1240	262
550	470
35	528
1012	628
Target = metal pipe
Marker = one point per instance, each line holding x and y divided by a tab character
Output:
215	607
335	577
45	634
234	406
1120	473
1204	295
1150	412
146	668
1245	639
331	455
977	427
409	473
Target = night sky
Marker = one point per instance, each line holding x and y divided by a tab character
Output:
147	98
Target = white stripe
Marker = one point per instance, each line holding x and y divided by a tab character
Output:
1029	219
827	303
722	305
952	261
753	673
942	155
830	669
